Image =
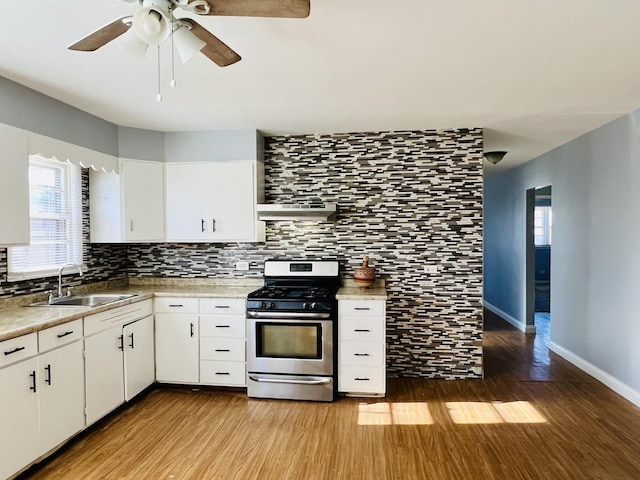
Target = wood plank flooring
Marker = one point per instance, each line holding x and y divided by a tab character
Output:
535	416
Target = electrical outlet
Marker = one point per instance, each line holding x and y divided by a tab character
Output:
242	265
431	269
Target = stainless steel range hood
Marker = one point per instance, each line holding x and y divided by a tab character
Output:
290	211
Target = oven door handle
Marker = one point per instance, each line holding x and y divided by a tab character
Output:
300	315
310	381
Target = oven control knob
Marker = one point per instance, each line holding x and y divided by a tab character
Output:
314	305
306	306
272	305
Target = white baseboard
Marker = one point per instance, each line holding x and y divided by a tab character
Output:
512	320
610	381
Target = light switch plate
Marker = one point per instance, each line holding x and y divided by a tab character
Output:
242	265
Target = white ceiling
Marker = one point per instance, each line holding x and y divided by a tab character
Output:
533	74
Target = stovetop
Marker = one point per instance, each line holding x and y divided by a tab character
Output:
294	292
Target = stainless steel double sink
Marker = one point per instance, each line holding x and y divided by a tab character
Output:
87	300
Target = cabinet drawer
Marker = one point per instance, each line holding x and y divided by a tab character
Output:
217	348
362	353
121	315
176	304
60	335
362	308
222	326
362	329
223	306
223	373
361	379
18	348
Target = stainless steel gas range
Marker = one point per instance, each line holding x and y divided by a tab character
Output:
292	331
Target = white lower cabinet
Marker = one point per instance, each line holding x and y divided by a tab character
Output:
106	346
42	400
18	417
177	333
223	342
61	395
361	354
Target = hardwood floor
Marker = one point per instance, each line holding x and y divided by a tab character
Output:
534	417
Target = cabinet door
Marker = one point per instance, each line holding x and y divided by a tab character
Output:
61	395
143	200
14	187
232	201
177	353
186	201
139	359
18	416
104	372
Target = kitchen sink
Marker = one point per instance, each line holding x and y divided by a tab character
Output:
88	300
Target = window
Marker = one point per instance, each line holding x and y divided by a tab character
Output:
56	221
542	226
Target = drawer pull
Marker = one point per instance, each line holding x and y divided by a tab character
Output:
15	350
223	326
222	350
362	308
121	346
222	306
191	329
361	355
223	373
362	330
175	305
365	379
62	335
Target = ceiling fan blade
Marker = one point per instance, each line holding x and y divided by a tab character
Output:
103	35
261	8
215	49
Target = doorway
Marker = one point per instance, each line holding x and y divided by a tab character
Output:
539	240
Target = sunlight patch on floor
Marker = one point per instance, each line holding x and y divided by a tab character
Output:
461	413
396	413
494	412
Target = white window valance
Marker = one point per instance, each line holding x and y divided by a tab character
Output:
48	147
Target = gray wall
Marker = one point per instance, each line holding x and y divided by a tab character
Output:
25	108
595	257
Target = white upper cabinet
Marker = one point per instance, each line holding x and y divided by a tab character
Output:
128	207
14	187
213	202
143	200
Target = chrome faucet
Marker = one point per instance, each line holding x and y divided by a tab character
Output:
60	275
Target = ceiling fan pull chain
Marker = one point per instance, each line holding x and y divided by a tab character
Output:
172	83
159	96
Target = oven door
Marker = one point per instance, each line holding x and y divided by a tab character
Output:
299	345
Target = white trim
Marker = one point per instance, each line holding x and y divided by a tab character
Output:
607	379
52	148
512	320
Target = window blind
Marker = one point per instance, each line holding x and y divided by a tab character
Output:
55	199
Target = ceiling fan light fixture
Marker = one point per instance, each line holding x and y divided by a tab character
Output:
131	43
494	157
151	25
186	43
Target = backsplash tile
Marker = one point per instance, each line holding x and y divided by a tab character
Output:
406	199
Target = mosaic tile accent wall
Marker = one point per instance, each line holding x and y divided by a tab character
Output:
406	199
104	262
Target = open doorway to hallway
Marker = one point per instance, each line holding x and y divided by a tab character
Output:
539	240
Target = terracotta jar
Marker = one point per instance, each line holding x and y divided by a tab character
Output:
365	275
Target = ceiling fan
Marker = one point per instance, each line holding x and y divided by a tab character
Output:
154	22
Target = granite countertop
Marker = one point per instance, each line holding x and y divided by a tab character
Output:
17	318
352	291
